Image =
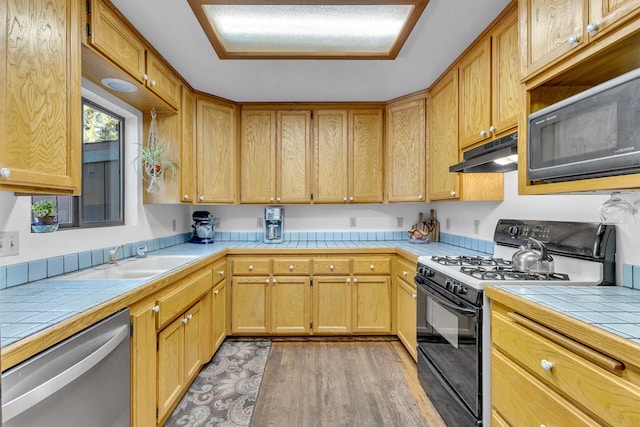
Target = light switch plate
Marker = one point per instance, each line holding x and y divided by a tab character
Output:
9	243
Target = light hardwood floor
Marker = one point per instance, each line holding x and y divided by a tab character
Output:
342	384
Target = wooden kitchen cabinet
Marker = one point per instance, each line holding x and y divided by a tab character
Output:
332	305
331	150
406	305
275	148
550	369
188	148
216	151
290	305
371	305
406	150
40	100
554	30
488	83
250	304
219	314
143	363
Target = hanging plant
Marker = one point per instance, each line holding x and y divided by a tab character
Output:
152	160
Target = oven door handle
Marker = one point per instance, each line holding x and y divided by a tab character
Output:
464	311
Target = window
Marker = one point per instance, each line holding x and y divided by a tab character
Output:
102	201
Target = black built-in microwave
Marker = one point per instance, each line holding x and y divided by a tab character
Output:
595	133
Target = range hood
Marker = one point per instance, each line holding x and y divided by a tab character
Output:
499	155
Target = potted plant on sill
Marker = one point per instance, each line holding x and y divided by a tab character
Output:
45	215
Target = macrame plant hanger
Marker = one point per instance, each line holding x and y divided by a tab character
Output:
154	171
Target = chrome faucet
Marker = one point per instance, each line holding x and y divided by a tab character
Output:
113	254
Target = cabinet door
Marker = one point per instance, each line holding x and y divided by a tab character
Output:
187	147
249	305
443	131
216	152
475	94
332	305
219	315
406	155
162	81
193	340
331	157
366	173
293	157
40	140
608	14
548	27
406	317
290	306
114	39
170	366
371	304
505	75
143	364
257	154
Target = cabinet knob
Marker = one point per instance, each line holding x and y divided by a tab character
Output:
251	268
145	77
266	281
419	196
274	281
355	280
572	40
271	199
190	316
216	292
344	199
156	308
221	272
152	83
453	193
278	199
404	273
185	197
291	267
414	296
546	365
5	172
372	266
201	198
492	129
351	199
592	27
331	267
348	280
483	133
185	320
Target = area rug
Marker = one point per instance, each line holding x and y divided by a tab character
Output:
224	393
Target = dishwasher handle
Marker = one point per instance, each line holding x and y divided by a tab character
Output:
36	395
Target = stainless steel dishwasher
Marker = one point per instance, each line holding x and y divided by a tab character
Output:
82	381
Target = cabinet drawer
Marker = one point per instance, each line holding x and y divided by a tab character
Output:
604	394
182	296
331	266
371	265
524	401
245	266
219	271
405	270
297	266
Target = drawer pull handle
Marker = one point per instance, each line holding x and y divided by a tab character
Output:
291	267
185	320
156	309
546	365
372	266
331	267
593	356
190	316
250	267
216	292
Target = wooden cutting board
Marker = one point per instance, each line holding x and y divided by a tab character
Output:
433	227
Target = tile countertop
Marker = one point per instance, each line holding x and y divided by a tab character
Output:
33	307
613	308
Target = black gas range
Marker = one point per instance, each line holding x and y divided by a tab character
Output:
453	329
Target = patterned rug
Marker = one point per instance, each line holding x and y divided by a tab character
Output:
224	393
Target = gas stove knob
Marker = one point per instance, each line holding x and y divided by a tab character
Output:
455	288
448	285
513	231
429	272
463	290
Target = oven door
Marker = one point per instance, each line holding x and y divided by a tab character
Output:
449	333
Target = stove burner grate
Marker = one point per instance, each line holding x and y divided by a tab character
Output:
465	260
501	273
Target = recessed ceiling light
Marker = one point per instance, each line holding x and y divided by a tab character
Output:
317	29
119	85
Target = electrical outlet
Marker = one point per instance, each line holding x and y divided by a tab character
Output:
9	243
476	226
174	225
352	221
399	222
260	222
447	223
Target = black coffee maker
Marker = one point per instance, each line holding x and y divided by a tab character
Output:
204	227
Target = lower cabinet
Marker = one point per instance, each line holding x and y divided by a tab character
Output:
332	305
290	305
371	305
406	316
219	315
249	305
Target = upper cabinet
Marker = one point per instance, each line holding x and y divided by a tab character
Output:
40	102
187	146
275	148
348	158
489	83
406	150
116	50
552	30
216	151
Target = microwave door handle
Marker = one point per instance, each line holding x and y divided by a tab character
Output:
464	311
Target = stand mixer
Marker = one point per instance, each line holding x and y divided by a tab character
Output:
204	227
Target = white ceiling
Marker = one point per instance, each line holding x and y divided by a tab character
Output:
445	29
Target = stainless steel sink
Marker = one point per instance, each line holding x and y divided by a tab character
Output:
131	268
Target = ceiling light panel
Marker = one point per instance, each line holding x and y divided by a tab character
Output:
307	30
